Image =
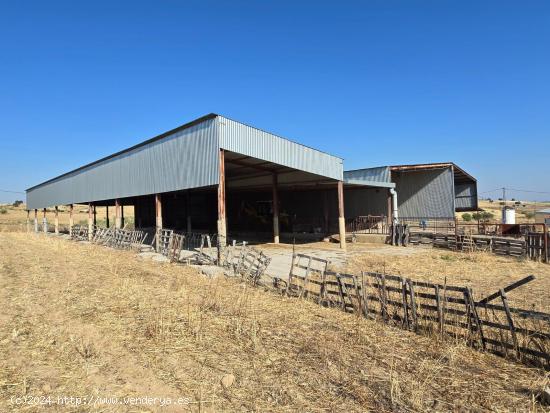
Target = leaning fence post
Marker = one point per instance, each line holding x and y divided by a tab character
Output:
444	306
322	287
413	304
382	290
357	295
405	306
364	295
510	321
476	318
306	279
439	309
468	312
341	291
288	286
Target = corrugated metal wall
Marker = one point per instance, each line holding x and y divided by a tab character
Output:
365	201
466	197
425	194
186	159
379	174
246	140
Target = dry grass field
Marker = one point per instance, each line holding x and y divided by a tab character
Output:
83	320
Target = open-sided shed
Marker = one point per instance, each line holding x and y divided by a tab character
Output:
212	174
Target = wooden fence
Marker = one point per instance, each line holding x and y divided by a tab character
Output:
532	246
489	323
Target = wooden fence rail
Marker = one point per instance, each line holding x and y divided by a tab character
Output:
533	245
429	307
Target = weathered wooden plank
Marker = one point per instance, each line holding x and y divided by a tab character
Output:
506	289
525	350
510	320
439	309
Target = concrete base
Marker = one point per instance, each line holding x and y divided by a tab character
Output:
342	230
275	230
222	232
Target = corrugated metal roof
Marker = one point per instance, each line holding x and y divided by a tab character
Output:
144	143
183	158
376	174
460	174
247	140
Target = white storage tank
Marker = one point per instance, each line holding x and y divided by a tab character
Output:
508	215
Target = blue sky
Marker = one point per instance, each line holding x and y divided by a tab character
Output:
375	82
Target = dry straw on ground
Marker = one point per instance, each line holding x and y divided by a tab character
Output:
81	319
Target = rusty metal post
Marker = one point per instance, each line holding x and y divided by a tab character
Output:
122	221
158	219
45	222
56	220
107	216
222	227
95	217
341	219
71	220
118	218
275	208
36	220
90	221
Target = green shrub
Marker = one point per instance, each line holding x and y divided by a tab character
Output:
482	216
467	217
3	211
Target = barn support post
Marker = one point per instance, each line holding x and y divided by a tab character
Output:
341	219
389	218
222	228
45	222
122	221
546	246
158	219
56	220
71	220
28	220
95	217
36	220
107	216
275	208
90	221
118	218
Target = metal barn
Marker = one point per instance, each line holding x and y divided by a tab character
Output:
422	192
211	175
